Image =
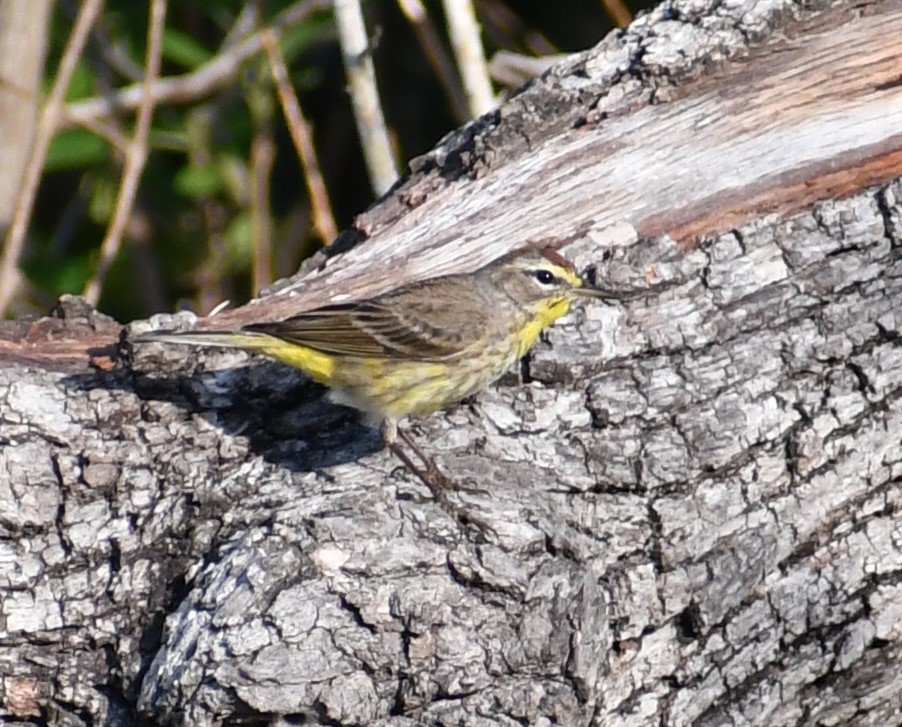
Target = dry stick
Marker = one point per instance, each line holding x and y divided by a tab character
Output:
106	131
23	46
245	24
216	74
508	30
262	156
618	12
15	238
467	45
136	155
514	69
211	286
435	53
358	63
302	136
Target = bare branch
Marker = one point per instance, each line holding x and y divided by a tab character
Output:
23	47
263	154
302	136
216	74
432	47
136	155
355	52
514	69
618	12
467	44
15	239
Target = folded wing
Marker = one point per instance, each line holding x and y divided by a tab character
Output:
413	324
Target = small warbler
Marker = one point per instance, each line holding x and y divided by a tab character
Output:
421	347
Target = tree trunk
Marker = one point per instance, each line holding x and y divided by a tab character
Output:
687	512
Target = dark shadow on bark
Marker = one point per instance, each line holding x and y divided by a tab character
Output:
287	418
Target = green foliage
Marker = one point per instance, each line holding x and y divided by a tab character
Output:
199	182
68	272
181	49
74	149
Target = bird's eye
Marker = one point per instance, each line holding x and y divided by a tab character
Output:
545	277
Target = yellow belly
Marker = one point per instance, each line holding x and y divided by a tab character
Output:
389	388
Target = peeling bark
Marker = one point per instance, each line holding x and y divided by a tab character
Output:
685	513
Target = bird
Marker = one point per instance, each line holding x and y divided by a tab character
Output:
418	348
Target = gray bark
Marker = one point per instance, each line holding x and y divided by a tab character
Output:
685	513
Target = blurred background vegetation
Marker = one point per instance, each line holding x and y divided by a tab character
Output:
222	206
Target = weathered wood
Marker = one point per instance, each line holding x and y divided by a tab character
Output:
608	145
687	514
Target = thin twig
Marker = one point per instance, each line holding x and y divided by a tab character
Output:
302	136
106	131
467	46
136	156
15	238
217	73
618	12
358	63
248	19
434	50
507	29
514	69
262	156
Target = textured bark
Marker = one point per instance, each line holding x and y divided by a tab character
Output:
687	513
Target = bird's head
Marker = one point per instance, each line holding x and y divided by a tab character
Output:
541	281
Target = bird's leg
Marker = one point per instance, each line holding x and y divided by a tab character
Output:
438	484
432	476
432	470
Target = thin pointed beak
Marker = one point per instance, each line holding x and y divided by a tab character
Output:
608	296
598	294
